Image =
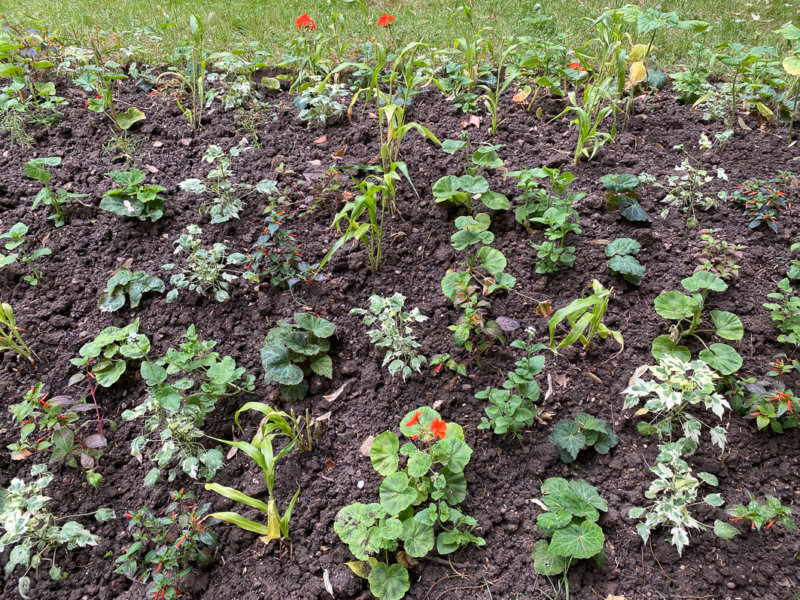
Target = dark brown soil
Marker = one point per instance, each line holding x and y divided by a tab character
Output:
504	476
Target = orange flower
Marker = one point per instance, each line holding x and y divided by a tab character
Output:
305	21
415	419
439	428
385	20
576	66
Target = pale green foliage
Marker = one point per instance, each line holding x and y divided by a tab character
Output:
678	386
393	332
16	241
685	191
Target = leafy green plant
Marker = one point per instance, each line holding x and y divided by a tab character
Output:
393	332
718	256
275	424
569	521
552	253
16	241
622	260
101	79
434	474
227	197
133	284
183	388
571	436
172	545
535	199
621	195
687	312
678	386
36	168
685	191
132	199
293	351
769	400
33	533
512	408
785	313
674	491
320	103
474	238
758	513
52	427
590	113
585	319
503	80
207	269
794	268
461	191
762	201
10	339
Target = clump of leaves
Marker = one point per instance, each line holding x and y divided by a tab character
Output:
16	241
131	198
585	319
794	269
678	385
685	191
718	256
418	504
785	313
51	426
621	195
207	269
558	223
769	400
535	199
320	103
622	261
571	436
33	533
10	339
687	312
183	387
762	201
758	513
674	491
461	191
511	408
393	332
292	351
132	284
36	168
572	509
167	549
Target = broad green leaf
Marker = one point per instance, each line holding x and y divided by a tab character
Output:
322	365
577	541
623	246
727	324
238	496
495	201
723	530
452	453
486	156
545	563
663	346
129	117
419	463
418	538
322	328
722	358
632	211
453	146
567	436
704	280
396	493
674	305
791	64
493	260
383	453
620	182
388	582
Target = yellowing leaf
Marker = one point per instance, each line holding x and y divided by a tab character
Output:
791	65
521	95
638	53
637	74
359	567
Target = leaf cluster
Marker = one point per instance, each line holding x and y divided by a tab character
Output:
103	359
571	436
131	198
785	313
585	319
16	241
535	199
558	223
622	261
132	284
621	195
36	168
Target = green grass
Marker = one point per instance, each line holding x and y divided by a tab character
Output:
271	22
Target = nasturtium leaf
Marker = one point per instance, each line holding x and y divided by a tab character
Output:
418	538
545	563
388	582
493	260
129	117
722	358
396	494
727	325
383	453
473	185
577	541
453	146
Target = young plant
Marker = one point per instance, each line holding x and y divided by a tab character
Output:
580	433
585	319
129	283
674	491
762	201
207	270
275	425
535	199
166	549
51	426
678	386
393	332
183	388
621	195
10	339
756	514
16	241
101	79
719	256
504	79
227	201
474	238
687	312
769	400
685	192
511	408
293	351
418	504
569	521
553	253
589	115
33	533
132	199
36	168
785	313
794	268
622	261
461	191
320	103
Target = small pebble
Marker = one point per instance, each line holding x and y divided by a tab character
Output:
731	585
360	484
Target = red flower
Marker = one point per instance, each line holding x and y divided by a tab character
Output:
305	21
576	66
385	19
415	419
438	427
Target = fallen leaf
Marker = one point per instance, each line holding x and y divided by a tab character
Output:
21	455
637	374
407	561
473	120
322	417
158	144
339	154
544	309
613	597
521	96
321	140
593	376
561	380
359	567
366	445
507	324
326	581
549	391
329	464
151	169
336	394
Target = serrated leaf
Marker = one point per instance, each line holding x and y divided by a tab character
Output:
577	541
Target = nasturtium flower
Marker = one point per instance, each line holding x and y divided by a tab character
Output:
385	20
415	419
305	21
576	66
438	427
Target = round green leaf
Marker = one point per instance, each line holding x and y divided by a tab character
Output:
396	494
723	530
727	324
545	563
791	64
722	358
620	182
623	246
566	436
383	453
418	538
577	541
674	305
388	582
704	280
493	260
663	346
495	201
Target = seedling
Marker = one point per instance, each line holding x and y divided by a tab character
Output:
10	339
16	241
553	253
622	261
621	195
719	256
685	191
129	283
757	514
132	199
37	169
535	199
584	431
585	318
762	201
785	313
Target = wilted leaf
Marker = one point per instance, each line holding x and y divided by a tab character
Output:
336	394
473	120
